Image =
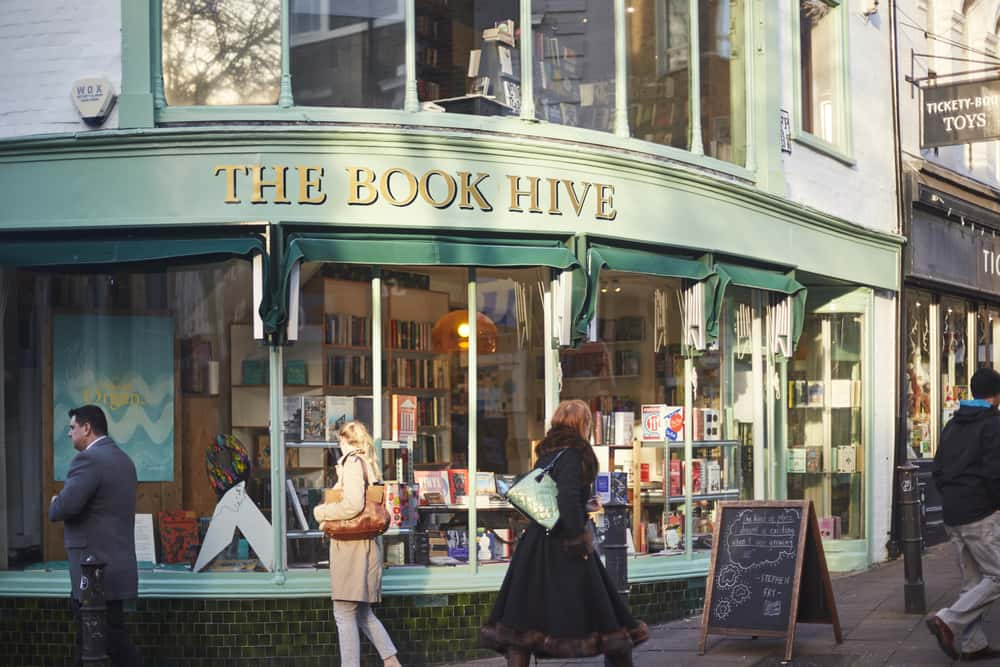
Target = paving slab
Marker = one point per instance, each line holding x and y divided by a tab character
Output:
877	630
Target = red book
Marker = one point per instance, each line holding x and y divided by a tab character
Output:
458	480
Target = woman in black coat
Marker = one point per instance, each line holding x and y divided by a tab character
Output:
557	600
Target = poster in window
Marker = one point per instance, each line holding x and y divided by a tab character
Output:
125	365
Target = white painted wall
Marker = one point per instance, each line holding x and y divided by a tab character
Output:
883	435
864	193
975	29
44	48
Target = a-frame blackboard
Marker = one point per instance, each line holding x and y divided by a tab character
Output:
768	572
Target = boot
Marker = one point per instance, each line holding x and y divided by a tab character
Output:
518	658
620	659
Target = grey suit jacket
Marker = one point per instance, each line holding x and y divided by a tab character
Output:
97	506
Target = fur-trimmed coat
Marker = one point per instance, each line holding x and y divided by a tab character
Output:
557	599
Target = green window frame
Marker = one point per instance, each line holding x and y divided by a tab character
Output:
142	102
841	149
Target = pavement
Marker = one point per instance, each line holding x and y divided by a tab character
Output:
876	629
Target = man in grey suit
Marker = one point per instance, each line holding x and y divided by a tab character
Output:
97	508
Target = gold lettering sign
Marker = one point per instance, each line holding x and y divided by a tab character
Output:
400	187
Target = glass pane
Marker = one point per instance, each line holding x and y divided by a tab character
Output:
740	392
723	79
161	353
986	349
918	373
954	356
820	53
425	343
221	52
574	62
348	54
510	416
658	83
825	454
467	56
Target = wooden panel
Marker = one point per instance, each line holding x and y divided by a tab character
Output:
202	422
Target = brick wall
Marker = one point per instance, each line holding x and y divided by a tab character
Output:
427	629
45	47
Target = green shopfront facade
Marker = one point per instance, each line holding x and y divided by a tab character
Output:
290	253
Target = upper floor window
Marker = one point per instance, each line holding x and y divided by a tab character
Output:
822	66
683	79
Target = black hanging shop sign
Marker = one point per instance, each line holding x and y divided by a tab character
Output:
945	251
960	113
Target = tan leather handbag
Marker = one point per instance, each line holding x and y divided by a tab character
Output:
372	521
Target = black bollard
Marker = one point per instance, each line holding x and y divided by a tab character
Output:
93	612
615	548
911	538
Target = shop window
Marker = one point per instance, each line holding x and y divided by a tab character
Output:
468	56
723	79
743	398
574	65
954	356
163	352
826	415
348	54
822	72
632	374
226	52
430	477
987	335
659	77
510	399
921	437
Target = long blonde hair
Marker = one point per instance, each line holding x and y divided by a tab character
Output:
357	436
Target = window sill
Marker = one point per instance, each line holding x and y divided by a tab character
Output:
820	146
324	118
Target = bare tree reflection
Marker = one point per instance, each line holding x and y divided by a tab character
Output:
221	51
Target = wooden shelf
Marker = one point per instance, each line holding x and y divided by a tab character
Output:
603	377
351	348
731	494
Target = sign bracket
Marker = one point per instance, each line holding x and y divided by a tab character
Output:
915	81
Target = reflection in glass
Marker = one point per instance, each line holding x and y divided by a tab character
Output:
826	438
954	356
740	392
573	54
468	58
510	417
221	52
348	54
658	64
918	374
723	91
820	52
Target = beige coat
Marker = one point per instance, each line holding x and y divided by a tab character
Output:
355	565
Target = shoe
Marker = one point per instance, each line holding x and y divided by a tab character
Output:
944	636
982	654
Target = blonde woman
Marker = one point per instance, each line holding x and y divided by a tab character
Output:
355	565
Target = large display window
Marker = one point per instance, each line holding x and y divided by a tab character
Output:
155	348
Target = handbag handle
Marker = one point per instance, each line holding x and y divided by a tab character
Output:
550	465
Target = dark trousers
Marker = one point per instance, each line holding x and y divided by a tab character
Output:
121	650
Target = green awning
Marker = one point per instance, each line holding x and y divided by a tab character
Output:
425	250
95	253
771	281
600	257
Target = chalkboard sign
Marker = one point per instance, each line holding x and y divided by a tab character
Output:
768	572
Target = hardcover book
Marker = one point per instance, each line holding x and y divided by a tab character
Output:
404	418
292	418
458	478
339	411
254	371
797	459
713	473
295	372
313	418
814	459
433	482
847	459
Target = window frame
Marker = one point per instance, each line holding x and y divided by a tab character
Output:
143	104
841	152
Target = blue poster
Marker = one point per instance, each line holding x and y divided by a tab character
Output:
125	365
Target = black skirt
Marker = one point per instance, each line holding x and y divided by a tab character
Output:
557	604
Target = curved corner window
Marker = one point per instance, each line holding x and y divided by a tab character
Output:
226	52
658	77
348	55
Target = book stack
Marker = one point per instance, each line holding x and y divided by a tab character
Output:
419	373
410	335
615	429
348	370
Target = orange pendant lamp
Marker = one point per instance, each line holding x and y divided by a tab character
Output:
451	333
